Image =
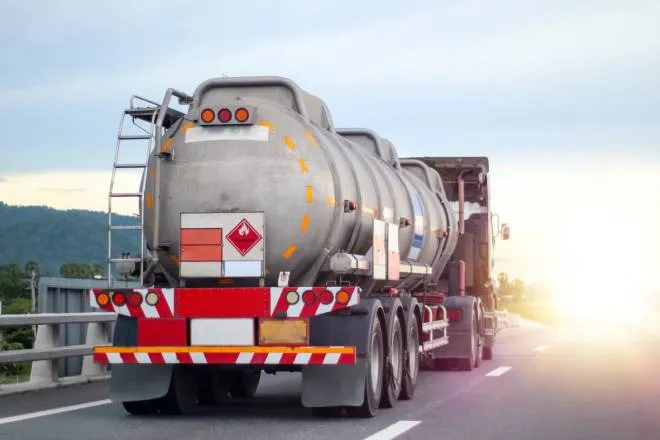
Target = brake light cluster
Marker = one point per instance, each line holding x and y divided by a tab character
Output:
324	297
454	314
226	115
120	298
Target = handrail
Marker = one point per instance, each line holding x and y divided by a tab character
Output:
55	318
47	351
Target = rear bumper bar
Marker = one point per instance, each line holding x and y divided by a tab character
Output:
226	355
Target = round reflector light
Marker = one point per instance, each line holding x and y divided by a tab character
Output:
242	115
119	298
343	297
135	299
224	115
207	115
103	299
327	297
292	297
309	297
152	298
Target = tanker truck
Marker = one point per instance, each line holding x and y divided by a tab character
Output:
272	241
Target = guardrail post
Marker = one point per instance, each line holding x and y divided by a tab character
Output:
48	336
97	334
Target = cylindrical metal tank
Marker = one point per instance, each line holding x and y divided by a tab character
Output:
302	175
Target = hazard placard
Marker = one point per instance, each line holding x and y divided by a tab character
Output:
244	237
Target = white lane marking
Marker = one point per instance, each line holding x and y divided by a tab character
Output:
394	430
541	348
50	412
498	371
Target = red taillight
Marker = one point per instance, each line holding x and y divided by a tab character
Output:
119	298
454	314
327	297
135	299
309	297
224	115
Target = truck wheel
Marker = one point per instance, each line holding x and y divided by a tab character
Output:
411	368
182	395
468	364
245	383
140	407
394	368
374	375
214	387
487	354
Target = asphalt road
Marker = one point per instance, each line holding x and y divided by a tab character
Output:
544	384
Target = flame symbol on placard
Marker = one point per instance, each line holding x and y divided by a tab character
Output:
244	230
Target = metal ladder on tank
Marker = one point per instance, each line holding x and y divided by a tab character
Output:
158	121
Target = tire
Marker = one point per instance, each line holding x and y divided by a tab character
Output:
469	363
214	387
374	373
140	407
181	397
487	353
411	370
395	367
480	343
244	384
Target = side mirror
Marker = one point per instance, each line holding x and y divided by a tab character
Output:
505	231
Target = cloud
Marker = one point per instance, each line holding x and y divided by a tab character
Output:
409	49
64	190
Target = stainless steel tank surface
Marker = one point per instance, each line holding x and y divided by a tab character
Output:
305	176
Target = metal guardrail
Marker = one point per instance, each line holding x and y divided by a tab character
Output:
47	352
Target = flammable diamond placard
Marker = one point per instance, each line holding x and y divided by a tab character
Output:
243	237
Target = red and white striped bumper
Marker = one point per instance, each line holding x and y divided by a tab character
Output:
226	355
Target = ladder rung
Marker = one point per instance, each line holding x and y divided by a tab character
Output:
134	137
125	194
130	165
141	111
125	227
125	260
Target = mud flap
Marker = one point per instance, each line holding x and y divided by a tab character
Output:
340	385
130	383
458	332
139	382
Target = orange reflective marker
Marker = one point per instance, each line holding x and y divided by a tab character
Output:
103	299
242	115
207	115
342	297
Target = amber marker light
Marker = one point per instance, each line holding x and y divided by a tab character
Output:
343	297
242	115
207	115
103	299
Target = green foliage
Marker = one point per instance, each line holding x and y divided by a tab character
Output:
16	368
12	284
80	270
51	238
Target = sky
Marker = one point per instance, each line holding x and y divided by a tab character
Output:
561	95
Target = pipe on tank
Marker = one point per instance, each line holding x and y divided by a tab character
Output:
461	202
